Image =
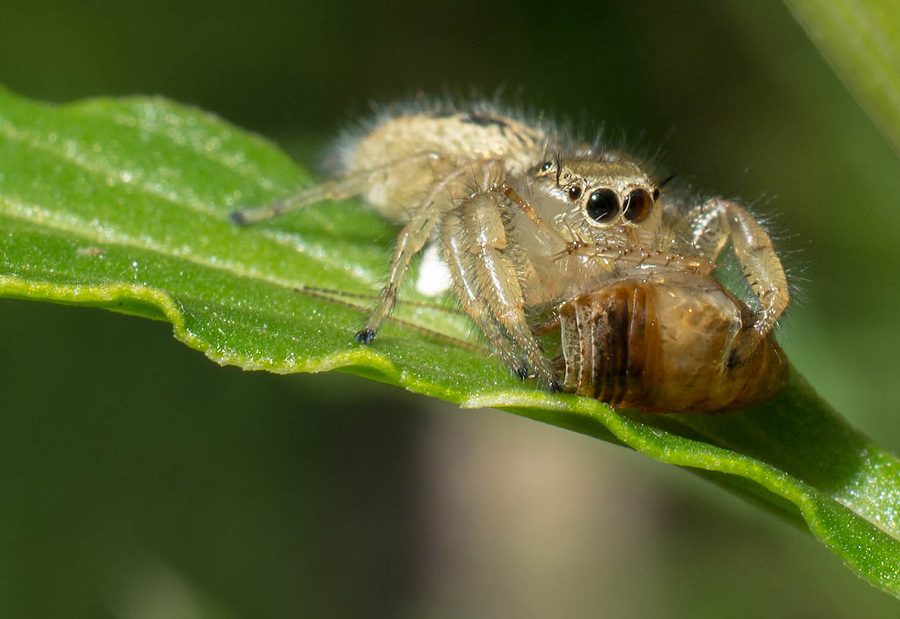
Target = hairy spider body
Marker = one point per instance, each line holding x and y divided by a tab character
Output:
529	221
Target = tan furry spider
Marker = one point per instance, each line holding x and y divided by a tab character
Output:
533	223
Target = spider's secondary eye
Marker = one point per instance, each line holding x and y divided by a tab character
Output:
603	205
637	205
655	194
547	165
575	192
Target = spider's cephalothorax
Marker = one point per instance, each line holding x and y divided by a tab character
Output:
528	219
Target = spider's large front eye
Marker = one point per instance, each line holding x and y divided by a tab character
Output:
637	205
574	192
602	205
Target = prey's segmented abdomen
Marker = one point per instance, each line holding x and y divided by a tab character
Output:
662	344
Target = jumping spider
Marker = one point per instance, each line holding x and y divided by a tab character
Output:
528	219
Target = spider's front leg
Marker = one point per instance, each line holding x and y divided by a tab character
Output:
415	234
716	221
486	273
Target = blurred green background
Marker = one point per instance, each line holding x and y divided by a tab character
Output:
140	480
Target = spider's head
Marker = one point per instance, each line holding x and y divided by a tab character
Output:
599	198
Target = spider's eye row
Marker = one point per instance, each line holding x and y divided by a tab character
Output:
602	205
575	192
637	205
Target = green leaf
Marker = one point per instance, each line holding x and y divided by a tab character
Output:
124	204
861	39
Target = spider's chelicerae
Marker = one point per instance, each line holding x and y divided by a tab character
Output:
531	222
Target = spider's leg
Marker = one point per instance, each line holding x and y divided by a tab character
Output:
339	189
715	222
347	186
475	244
413	237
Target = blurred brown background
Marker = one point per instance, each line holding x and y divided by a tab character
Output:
140	480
